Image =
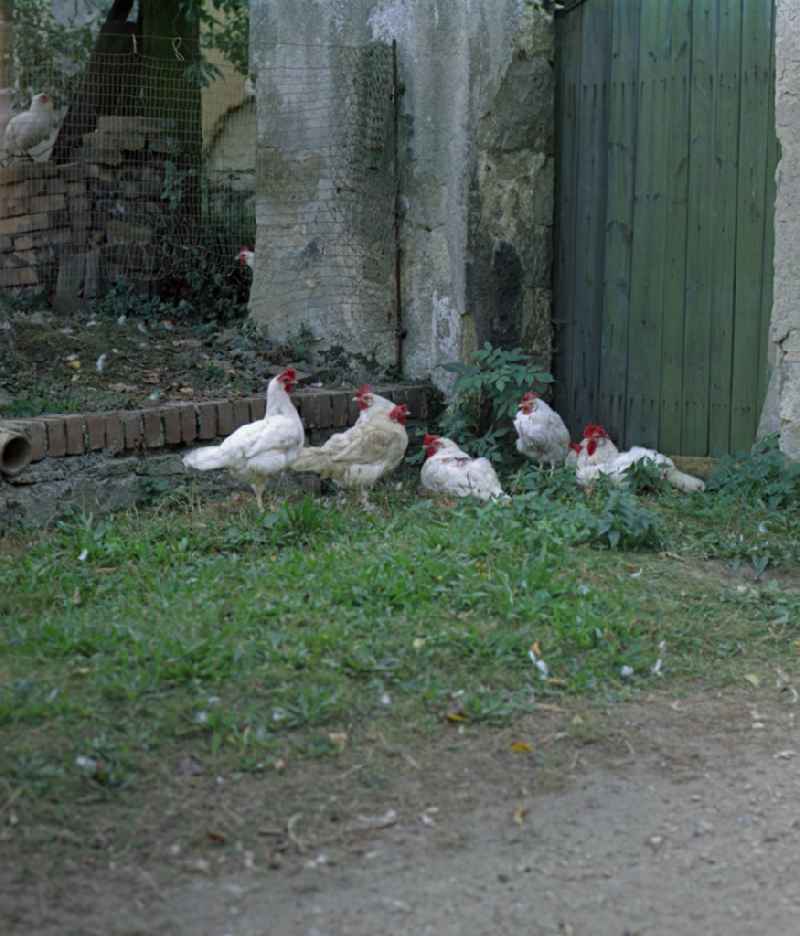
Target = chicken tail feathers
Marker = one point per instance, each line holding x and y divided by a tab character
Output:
684	482
207	458
311	458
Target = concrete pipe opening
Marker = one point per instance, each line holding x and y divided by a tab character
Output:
15	452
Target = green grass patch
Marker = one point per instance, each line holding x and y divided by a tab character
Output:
249	636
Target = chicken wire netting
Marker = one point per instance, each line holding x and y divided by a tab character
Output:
146	178
326	178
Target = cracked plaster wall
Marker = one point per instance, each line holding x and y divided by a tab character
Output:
782	408
476	165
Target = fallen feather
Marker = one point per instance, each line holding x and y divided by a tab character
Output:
371	823
100	363
626	672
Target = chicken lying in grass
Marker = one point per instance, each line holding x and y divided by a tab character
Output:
541	433
599	456
260	449
359	457
449	470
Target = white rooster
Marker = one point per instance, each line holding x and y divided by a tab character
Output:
449	470
262	448
369	450
30	128
541	433
599	456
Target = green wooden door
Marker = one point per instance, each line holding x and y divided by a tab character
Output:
666	154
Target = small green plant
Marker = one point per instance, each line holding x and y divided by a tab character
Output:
624	524
765	476
486	394
644	477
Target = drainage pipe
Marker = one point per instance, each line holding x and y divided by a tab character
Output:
15	452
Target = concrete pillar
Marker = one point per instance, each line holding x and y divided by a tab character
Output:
782	409
475	172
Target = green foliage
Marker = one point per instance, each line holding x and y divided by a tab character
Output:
224	27
48	55
644	477
623	523
765	475
486	395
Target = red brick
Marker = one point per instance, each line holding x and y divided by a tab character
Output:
188	423
75	435
172	425
151	422
115	436
56	437
132	430
96	431
258	407
340	408
241	413
206	420
224	418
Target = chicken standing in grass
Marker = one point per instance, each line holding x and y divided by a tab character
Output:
369	450
541	433
30	128
449	470
599	456
260	449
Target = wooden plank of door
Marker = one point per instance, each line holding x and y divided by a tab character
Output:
623	96
697	331
649	228
591	202
723	250
673	307
764	367
753	136
568	37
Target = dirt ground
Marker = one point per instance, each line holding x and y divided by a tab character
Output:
671	815
92	362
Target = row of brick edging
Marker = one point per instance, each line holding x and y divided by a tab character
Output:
182	424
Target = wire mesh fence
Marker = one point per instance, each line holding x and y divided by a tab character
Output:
326	177
137	174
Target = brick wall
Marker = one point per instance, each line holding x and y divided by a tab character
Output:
183	424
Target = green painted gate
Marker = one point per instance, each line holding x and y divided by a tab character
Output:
666	152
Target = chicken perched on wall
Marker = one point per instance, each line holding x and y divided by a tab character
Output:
260	449
369	450
449	470
599	456
541	433
31	128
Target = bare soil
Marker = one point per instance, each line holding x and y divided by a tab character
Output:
90	363
670	815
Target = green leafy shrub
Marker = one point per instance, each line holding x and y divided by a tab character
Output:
765	476
486	394
623	523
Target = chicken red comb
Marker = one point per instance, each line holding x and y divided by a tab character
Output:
289	374
575	446
529	396
429	439
594	431
363	390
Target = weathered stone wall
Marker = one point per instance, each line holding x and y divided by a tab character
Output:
475	163
782	410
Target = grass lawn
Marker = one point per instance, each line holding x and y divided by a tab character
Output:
248	640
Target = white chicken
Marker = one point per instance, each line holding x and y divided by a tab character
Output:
369	450
30	128
246	257
541	433
449	470
260	449
599	456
